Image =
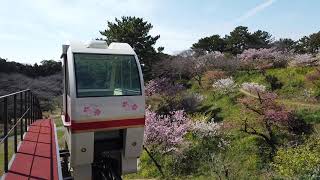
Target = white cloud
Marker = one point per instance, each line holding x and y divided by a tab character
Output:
252	12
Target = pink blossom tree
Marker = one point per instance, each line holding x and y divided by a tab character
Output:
269	114
163	86
304	60
164	133
264	58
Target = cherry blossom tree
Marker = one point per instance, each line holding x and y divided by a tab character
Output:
257	54
165	132
304	60
253	87
206	129
225	85
264	58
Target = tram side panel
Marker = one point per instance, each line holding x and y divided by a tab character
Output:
98	119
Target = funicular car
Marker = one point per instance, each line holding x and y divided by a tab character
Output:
103	109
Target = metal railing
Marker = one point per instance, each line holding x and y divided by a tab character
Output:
19	110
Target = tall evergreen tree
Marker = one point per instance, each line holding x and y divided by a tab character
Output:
285	44
210	44
134	31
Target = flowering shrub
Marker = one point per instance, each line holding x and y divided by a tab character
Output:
216	55
272	111
258	54
264	58
253	87
225	85
165	132
162	86
207	146
303	60
206	129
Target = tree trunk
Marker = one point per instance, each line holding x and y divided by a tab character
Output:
154	161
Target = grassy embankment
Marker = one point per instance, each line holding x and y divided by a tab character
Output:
245	158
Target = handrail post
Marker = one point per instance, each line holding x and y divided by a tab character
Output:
34	108
26	109
31	104
40	114
15	121
21	113
29	109
5	129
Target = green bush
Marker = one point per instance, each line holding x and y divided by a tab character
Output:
274	82
300	161
309	116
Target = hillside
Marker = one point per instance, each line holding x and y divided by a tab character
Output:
46	88
229	137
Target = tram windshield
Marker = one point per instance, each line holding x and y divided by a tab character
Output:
100	75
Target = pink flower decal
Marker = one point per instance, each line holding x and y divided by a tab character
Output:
97	112
124	103
127	105
134	107
91	110
86	109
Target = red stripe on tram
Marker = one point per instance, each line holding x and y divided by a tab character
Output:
75	126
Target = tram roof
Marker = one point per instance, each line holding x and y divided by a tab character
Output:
98	48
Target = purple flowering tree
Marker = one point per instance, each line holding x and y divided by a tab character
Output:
165	132
258	54
162	86
269	114
264	58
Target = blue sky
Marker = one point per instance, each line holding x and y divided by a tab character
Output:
33	30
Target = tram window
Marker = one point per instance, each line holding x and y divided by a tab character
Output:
106	75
